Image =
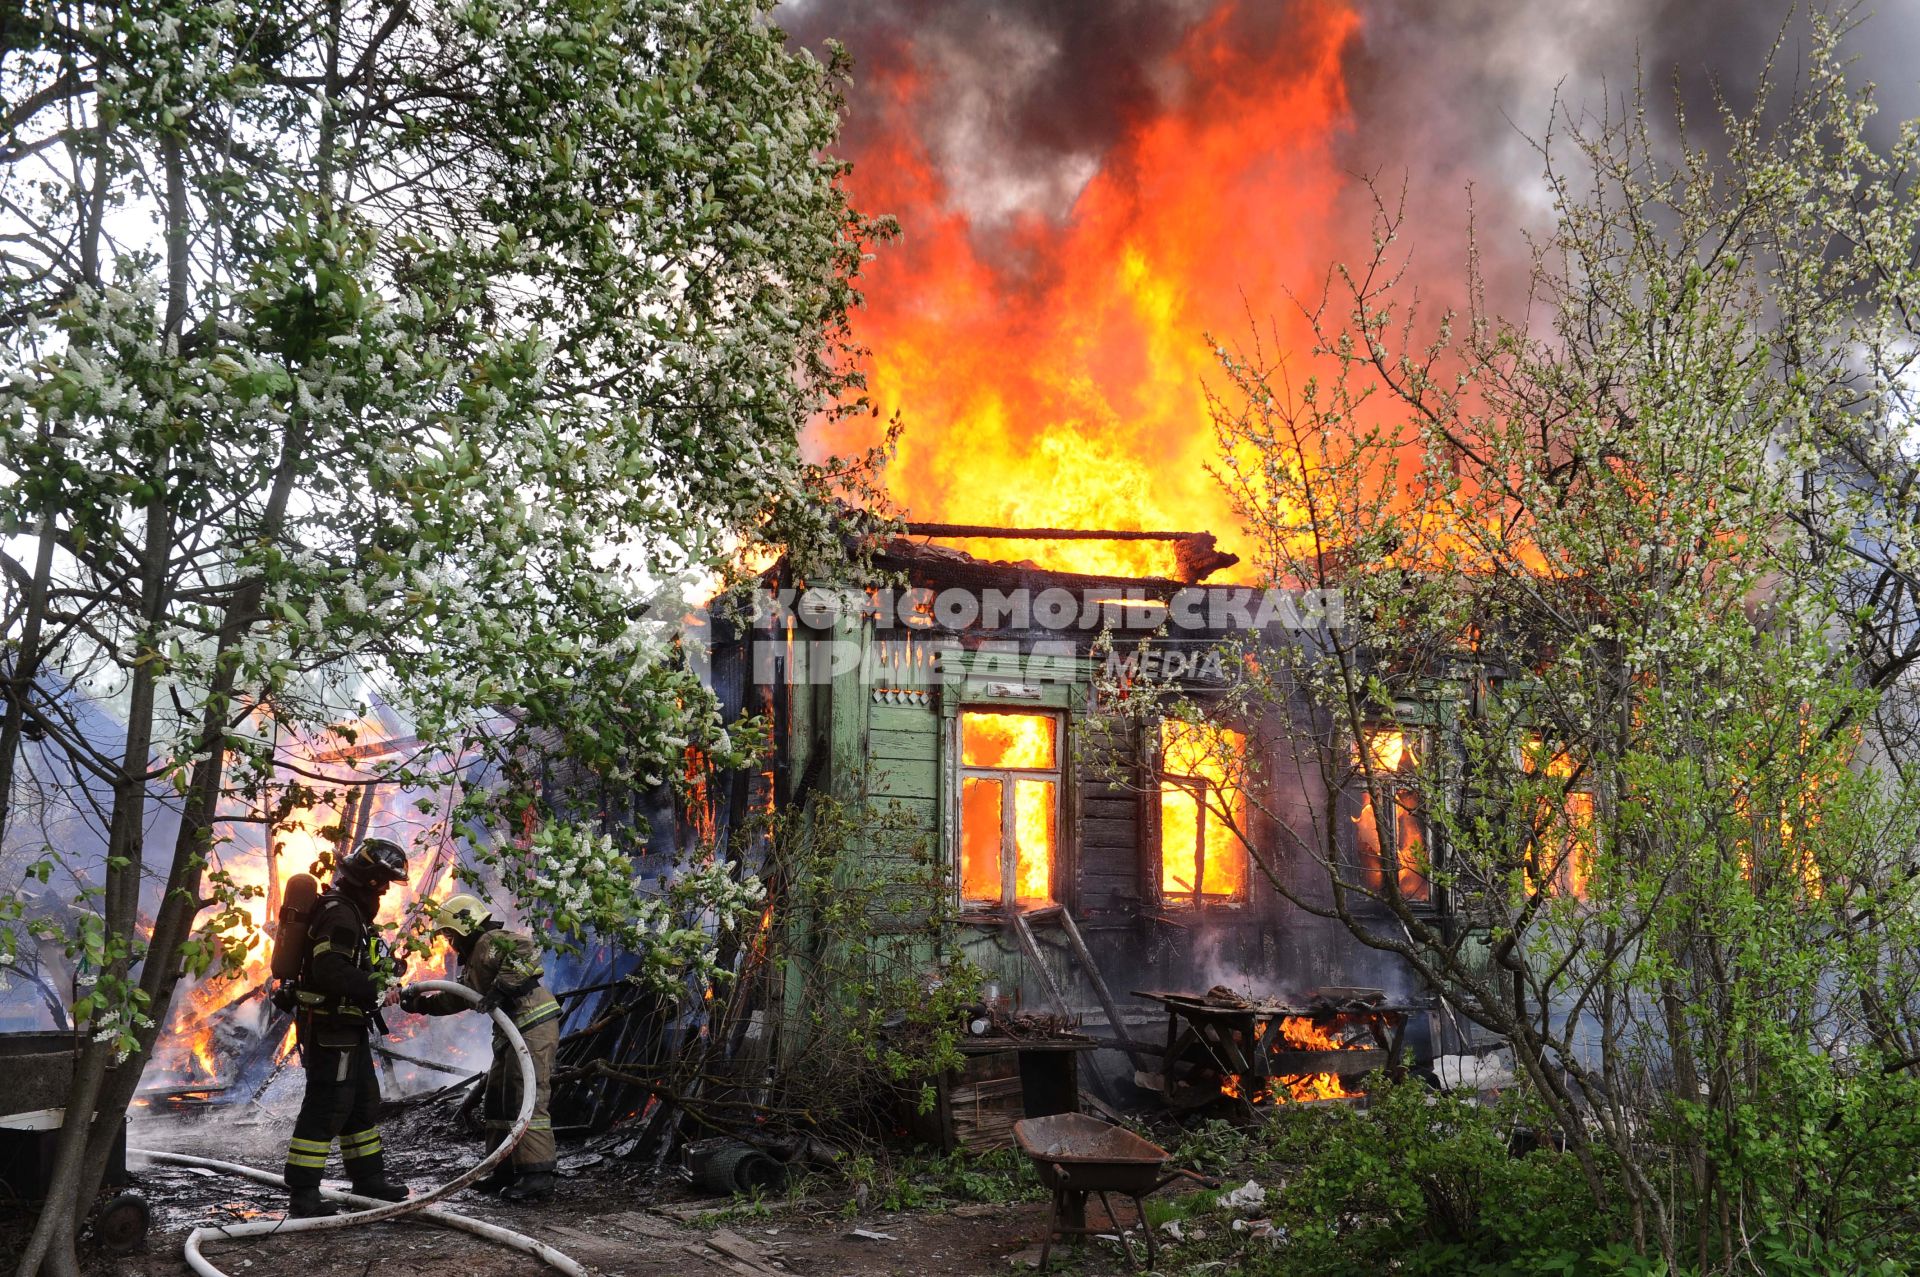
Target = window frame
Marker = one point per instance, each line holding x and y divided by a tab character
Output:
1356	801
1007	777
1196	787
1563	883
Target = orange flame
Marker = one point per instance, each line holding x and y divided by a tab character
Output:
1013	743
1302	1034
1392	751
191	1051
1565	830
1033	826
1297	1033
980	825
1006	740
1194	810
1050	373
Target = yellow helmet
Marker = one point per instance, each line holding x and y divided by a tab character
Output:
461	914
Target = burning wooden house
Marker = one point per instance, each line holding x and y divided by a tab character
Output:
1087	864
1105	878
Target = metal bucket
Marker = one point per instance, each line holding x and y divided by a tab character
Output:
35	1071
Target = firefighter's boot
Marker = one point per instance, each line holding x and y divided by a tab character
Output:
498	1180
306	1203
531	1186
501	1177
367	1167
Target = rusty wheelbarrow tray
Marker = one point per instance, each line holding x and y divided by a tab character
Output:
1076	1155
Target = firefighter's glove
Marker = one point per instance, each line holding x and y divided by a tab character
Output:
387	962
488	1002
413	1001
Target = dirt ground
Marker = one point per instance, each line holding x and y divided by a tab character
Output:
611	1217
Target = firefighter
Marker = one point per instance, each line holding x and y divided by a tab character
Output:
338	997
504	968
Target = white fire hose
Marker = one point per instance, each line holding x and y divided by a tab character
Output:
375	1211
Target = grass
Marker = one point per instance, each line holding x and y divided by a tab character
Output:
920	1180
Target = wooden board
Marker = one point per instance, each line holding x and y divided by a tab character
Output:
985	1101
1104	834
903	778
914	719
894	743
1297	1063
919	812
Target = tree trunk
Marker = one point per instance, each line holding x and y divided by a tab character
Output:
50	1251
174	922
26	664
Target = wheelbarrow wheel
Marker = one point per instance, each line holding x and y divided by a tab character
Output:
120	1226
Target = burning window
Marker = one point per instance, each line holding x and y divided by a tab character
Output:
1389	766
1564	825
1009	807
1203	812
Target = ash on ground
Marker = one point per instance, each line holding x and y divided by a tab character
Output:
615	1218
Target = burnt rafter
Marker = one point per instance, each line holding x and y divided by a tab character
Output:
1197	553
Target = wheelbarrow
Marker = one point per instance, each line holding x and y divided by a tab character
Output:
1077	1155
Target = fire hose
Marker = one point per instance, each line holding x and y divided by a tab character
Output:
373	1211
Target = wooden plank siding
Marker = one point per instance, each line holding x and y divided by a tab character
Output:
1110	852
890	723
903	768
902	778
921	743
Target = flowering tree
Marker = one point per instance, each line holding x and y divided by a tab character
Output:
574	884
1624	580
432	341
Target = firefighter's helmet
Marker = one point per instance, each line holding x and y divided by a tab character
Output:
462	915
376	860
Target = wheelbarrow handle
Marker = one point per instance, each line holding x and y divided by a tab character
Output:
1205	1181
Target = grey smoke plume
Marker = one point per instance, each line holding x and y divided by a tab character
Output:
1031	94
1457	92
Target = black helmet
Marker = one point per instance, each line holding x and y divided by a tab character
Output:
376	860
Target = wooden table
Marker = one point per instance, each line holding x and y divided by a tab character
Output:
1244	1040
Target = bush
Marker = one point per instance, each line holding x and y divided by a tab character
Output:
875	989
1423	1182
1431	1185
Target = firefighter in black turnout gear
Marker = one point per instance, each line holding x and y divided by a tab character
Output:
337	1001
